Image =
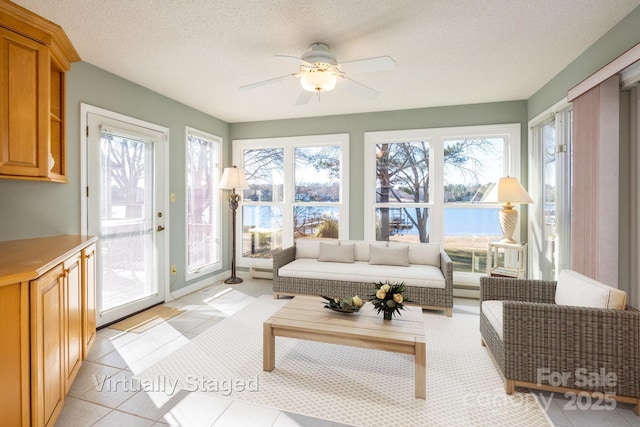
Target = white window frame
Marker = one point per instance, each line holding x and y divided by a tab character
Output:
289	144
558	113
215	203
436	137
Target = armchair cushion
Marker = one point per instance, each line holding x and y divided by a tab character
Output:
493	310
581	291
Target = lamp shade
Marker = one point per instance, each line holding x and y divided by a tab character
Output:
318	81
510	190
233	178
507	191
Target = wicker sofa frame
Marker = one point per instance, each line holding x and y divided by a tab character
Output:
427	298
543	340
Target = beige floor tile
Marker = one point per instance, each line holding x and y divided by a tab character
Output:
196	409
77	413
152	405
117	418
113	391
90	376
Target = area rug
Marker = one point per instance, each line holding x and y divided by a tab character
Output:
354	386
146	319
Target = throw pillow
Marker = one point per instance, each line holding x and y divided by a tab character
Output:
310	248
393	255
333	253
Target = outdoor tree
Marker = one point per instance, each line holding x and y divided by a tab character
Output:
402	172
126	161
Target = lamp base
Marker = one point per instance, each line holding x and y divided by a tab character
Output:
233	280
508	220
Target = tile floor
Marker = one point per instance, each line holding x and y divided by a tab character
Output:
104	393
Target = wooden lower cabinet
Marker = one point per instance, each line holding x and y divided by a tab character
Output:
73	342
47	347
47	324
89	316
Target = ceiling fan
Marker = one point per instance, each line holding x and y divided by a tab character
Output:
320	71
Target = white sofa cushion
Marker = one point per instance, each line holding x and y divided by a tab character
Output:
414	275
575	289
422	253
397	255
493	310
362	248
333	253
310	248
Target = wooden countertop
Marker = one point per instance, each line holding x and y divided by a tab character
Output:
27	259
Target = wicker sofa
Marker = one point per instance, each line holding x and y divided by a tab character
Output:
563	348
428	277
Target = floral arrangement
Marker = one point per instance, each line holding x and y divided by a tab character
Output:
347	305
388	299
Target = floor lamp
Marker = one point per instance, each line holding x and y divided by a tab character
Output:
232	179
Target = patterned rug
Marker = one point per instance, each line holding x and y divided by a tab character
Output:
349	385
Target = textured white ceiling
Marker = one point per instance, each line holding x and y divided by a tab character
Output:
449	52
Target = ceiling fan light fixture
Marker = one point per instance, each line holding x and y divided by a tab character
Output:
318	81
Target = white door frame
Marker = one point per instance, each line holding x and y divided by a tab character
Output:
162	201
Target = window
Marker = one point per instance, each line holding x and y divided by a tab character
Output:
298	189
430	186
203	203
550	187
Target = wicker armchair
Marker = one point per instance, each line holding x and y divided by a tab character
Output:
562	348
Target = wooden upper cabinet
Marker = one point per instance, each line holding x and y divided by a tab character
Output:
35	54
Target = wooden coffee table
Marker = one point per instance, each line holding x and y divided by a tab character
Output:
304	317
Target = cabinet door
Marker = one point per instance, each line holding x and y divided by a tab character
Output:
24	95
14	355
88	297
72	318
47	347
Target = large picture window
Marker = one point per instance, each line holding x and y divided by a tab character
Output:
297	189
430	186
203	202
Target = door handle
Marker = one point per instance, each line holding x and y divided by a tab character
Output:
160	228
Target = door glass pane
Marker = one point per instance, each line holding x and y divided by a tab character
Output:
265	170
471	168
261	230
321	222
126	230
403	224
317	174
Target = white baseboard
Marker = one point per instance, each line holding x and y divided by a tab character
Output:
200	284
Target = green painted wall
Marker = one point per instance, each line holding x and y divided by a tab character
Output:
615	42
357	124
32	209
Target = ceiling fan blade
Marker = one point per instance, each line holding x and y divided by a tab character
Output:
295	58
380	63
266	82
304	97
360	89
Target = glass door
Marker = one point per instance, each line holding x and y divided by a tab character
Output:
125	212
